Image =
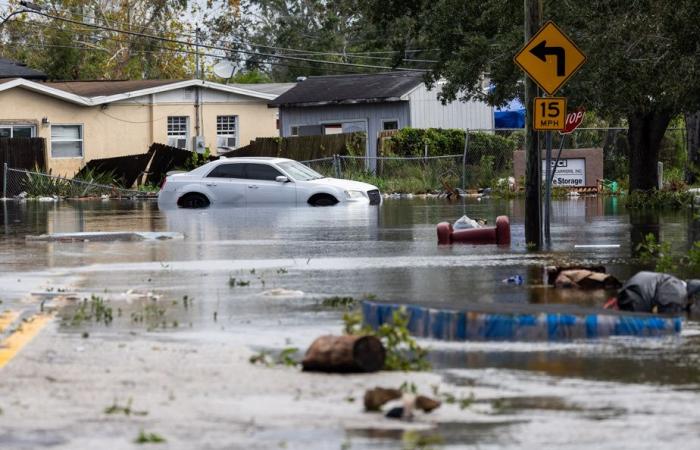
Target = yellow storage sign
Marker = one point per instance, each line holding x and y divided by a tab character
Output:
549	113
550	58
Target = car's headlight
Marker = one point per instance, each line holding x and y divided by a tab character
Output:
354	194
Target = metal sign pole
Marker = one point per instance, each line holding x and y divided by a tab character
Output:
548	188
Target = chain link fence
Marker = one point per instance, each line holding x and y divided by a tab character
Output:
21	183
483	163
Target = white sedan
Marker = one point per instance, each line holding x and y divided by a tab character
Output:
260	181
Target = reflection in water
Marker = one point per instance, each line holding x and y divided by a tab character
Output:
389	251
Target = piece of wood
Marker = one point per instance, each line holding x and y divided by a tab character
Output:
377	397
427	404
345	354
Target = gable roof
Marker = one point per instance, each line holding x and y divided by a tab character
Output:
351	89
92	93
16	69
266	88
95	88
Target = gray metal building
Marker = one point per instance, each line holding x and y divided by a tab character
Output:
372	103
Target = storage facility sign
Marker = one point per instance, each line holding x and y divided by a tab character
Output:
570	172
550	58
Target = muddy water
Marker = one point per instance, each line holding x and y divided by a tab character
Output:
230	259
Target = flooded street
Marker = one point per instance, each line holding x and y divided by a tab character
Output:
251	280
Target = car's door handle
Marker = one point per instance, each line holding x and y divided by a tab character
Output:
252	186
211	184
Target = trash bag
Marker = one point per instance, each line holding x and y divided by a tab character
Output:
465	223
653	292
585	279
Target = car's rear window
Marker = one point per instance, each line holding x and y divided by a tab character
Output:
228	171
261	172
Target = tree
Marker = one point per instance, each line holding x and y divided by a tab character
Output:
328	30
69	51
643	58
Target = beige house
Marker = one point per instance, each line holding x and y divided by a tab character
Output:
84	120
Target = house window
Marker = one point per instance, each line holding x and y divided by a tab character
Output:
390	125
178	131
16	131
294	131
226	132
66	141
333	128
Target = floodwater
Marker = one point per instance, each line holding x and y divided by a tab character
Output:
217	284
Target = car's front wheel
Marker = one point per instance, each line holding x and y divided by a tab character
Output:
193	200
322	200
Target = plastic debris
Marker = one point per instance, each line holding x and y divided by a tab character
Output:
515	279
465	223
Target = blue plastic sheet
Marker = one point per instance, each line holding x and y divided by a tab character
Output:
459	325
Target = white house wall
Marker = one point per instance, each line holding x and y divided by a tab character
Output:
428	112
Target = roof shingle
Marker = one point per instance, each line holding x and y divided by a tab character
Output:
16	69
350	89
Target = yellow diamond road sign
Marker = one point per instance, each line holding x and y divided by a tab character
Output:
550	58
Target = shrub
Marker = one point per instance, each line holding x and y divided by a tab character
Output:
402	350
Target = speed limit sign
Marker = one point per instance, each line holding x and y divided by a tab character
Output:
549	114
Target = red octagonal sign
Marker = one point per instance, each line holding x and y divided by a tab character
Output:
573	120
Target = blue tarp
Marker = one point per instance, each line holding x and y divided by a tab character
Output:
510	116
464	325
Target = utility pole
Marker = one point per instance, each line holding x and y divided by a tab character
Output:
197	73
533	164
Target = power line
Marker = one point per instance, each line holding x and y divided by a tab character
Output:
39	46
298	52
214	47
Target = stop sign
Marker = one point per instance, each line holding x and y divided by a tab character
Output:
573	120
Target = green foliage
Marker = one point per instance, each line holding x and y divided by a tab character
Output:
660	253
116	408
649	250
94	309
68	51
338	302
286	357
402	350
251	77
335	26
628	75
658	199
197	159
149	438
37	184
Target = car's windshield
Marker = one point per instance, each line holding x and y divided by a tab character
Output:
299	171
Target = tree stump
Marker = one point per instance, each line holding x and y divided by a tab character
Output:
345	354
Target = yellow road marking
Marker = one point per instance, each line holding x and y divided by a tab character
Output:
6	318
11	346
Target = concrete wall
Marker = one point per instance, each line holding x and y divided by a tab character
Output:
593	157
131	126
373	114
429	112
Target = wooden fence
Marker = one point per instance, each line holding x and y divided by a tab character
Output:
21	153
304	148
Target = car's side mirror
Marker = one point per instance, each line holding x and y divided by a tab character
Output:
281	179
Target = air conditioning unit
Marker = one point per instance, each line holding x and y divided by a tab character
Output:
226	142
177	142
198	144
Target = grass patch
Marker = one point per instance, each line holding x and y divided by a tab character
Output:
116	408
93	309
149	438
